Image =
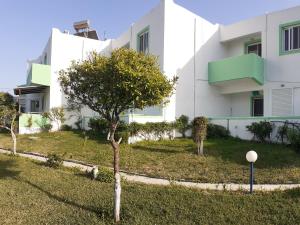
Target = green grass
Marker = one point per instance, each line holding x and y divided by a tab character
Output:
31	193
224	160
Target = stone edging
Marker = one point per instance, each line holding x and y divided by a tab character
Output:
165	182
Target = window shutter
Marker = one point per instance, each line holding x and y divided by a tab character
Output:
282	102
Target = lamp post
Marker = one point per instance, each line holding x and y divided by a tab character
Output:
251	157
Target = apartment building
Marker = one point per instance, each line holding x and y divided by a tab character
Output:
233	74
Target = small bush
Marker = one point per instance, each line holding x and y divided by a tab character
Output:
282	132
66	127
293	137
46	127
217	131
199	128
54	160
261	130
182	125
105	175
99	125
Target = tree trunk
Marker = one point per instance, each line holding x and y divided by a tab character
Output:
14	141
198	147
116	148
201	147
13	136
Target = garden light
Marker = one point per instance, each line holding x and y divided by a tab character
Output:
251	157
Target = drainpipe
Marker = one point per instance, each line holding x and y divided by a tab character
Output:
195	23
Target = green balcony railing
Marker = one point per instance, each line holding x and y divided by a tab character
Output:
32	120
249	66
39	74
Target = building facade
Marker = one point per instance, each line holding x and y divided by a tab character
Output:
245	71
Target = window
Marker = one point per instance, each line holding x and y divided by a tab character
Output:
290	38
257	106
34	106
254	48
143	41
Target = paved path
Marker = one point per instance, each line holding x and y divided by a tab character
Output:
157	181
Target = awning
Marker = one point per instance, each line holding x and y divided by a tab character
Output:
24	90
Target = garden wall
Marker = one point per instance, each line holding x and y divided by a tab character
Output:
237	125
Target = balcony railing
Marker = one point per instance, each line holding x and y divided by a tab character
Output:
249	66
39	74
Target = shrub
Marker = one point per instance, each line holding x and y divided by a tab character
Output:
105	175
199	132
282	132
99	125
134	128
182	125
293	136
57	115
29	122
54	160
66	127
46	127
261	130
217	131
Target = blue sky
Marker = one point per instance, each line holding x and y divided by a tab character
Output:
26	25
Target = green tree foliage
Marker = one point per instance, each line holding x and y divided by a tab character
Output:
8	114
261	130
57	115
111	85
199	132
183	125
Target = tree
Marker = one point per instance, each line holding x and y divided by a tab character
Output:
57	115
116	84
8	115
182	125
200	131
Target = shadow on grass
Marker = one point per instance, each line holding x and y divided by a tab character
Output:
100	212
8	169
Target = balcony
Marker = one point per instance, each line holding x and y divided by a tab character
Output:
38	79
39	74
246	70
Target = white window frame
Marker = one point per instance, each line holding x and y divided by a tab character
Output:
142	46
290	30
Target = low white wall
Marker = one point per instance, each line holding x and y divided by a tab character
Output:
237	126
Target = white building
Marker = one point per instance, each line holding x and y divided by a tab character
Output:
233	74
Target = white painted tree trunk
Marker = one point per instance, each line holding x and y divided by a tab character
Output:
14	141
201	147
117	197
13	135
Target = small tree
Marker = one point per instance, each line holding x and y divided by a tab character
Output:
57	115
200	131
8	115
113	85
183	125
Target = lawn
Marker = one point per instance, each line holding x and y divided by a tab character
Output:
224	160
31	193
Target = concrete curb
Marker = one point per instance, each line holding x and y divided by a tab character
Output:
164	182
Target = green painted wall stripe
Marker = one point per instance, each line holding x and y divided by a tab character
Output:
39	74
240	67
